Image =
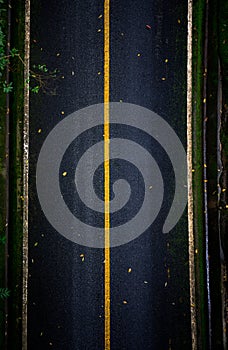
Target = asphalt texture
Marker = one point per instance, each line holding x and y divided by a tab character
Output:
149	275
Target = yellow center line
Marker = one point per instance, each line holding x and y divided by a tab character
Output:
107	173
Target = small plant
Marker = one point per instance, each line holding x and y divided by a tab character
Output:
41	67
7	87
35	89
14	52
3	239
4	293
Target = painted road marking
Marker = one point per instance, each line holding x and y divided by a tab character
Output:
107	171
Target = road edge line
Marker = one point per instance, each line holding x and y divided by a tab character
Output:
191	246
25	174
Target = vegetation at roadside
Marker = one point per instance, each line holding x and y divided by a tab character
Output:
39	76
11	88
4	292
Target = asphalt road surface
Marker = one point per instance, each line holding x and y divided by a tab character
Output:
69	283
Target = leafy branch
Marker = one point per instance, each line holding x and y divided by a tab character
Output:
39	77
4	293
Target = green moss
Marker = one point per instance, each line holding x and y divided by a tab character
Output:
16	199
3	25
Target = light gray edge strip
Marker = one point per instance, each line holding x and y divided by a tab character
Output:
191	246
25	173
